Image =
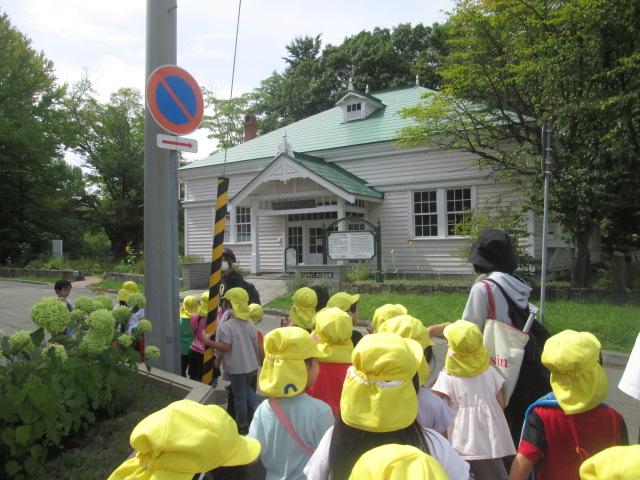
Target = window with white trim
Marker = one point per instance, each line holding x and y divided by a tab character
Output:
425	214
227	228
437	212
458	201
243	224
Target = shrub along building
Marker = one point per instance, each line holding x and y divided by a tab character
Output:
343	162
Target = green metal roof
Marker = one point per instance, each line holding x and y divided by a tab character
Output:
336	175
328	130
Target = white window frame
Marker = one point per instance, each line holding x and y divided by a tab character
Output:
242	229
441	211
232	228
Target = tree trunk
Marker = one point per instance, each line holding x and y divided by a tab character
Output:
581	271
118	246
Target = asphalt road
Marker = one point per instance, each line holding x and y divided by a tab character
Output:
17	298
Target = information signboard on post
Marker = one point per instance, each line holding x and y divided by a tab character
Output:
351	245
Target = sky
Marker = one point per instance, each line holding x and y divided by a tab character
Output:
106	39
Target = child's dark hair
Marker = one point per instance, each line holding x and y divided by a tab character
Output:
323	296
348	443
60	284
353	307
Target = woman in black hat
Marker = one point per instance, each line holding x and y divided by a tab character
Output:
492	257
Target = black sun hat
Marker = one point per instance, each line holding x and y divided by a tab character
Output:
227	252
493	252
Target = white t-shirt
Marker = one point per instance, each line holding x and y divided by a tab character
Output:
439	448
433	411
630	381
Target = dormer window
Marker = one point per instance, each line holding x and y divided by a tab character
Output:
358	106
354	111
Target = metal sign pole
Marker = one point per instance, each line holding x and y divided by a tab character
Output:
547	130
161	201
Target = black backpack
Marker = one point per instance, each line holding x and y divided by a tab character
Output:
254	296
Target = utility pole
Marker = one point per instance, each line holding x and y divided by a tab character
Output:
161	200
547	130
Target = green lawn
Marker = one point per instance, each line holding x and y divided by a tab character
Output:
616	326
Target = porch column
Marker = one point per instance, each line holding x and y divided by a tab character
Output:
255	238
341	214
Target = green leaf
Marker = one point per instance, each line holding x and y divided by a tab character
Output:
12	468
37	336
31	465
23	434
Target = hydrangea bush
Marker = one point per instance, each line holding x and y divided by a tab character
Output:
52	387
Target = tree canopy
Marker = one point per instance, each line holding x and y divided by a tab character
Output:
512	65
38	189
111	143
316	78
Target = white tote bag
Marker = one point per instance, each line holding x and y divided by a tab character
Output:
506	351
505	344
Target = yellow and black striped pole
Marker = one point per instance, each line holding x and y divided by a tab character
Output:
215	278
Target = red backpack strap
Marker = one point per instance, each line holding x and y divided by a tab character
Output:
582	453
277	409
492	305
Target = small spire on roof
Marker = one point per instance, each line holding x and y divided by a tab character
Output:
366	90
351	89
417	81
285	147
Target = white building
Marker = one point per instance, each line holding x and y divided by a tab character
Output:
284	185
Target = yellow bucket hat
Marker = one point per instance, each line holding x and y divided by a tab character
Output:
334	328
378	393
189	306
467	355
304	307
342	300
397	462
239	299
577	379
255	312
130	286
385	312
123	295
614	463
203	309
409	327
284	373
183	439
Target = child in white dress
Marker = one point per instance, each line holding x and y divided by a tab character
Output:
479	431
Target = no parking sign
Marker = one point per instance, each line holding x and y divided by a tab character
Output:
175	100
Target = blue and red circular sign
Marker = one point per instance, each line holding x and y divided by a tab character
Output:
175	100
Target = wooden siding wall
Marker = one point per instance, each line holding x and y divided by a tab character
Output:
272	243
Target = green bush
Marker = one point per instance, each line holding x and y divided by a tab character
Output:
358	272
296	283
49	390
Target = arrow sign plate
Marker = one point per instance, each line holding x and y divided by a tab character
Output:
171	142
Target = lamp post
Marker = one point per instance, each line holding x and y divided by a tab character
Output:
547	130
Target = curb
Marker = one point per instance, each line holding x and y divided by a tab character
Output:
615	359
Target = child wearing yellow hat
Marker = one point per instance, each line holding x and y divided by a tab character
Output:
291	423
237	339
183	439
571	424
384	313
197	324
189	307
378	406
479	431
433	411
397	462
303	311
333	329
348	303
614	463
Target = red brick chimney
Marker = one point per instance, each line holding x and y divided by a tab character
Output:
250	127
